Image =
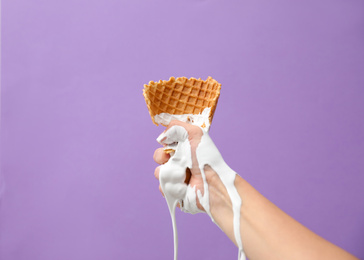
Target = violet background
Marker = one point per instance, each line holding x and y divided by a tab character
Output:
77	140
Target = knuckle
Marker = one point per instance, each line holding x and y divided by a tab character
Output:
174	122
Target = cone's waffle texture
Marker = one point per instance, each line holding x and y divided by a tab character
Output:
179	96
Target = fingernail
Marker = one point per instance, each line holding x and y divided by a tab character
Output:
161	138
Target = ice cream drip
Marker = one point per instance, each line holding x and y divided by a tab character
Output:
172	174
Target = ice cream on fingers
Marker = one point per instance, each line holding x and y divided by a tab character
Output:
192	101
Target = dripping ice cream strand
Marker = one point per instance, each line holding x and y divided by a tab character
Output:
173	173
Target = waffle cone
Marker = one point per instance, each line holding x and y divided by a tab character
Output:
179	96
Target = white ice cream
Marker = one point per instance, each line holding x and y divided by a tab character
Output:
172	174
201	119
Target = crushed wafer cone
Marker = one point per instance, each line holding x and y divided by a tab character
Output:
169	150
179	96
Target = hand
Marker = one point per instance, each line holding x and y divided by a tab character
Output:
219	192
203	190
192	135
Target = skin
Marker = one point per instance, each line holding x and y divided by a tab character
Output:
266	231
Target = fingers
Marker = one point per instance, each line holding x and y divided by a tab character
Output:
192	130
173	134
178	131
160	156
160	189
188	174
156	172
179	123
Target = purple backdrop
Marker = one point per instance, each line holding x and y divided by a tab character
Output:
77	140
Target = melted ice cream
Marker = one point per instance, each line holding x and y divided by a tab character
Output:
173	174
201	119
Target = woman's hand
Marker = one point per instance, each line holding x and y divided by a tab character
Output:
193	134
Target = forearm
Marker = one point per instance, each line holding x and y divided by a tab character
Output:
266	231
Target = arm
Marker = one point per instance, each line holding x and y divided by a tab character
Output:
266	231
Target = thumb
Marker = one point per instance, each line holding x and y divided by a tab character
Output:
173	134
